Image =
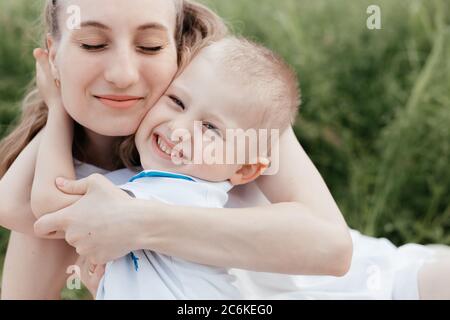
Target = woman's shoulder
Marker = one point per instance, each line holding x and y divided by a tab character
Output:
121	176
83	170
118	177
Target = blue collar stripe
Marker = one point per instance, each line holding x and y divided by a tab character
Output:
155	174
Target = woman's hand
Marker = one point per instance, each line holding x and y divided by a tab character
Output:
48	86
96	224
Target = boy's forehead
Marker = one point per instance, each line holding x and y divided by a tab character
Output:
207	71
219	92
201	79
203	66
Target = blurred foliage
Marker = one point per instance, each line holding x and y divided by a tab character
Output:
375	115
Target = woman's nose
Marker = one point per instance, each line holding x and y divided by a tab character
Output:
122	70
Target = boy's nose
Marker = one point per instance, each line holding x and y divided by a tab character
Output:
180	128
180	124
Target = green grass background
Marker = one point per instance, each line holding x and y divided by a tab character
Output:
375	116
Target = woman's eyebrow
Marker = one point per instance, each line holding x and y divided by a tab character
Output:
152	25
94	24
99	25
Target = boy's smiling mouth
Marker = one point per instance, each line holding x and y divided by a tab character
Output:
164	148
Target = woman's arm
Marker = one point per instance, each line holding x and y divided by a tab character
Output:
15	190
280	238
298	236
55	150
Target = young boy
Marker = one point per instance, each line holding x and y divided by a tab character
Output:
190	157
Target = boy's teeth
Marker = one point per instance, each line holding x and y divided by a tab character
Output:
165	148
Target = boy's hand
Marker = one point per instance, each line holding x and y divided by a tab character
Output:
90	274
45	82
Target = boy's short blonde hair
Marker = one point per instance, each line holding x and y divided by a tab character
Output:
268	82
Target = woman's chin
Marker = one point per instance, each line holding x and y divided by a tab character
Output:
107	123
110	128
116	132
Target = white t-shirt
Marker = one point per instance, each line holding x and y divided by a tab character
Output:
148	275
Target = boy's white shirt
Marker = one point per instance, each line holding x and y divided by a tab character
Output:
252	285
182	192
158	276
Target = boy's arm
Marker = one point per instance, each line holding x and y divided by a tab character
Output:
54	157
54	160
15	190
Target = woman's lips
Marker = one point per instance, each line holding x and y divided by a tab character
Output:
119	102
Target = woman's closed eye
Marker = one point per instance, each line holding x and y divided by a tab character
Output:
99	47
96	47
150	50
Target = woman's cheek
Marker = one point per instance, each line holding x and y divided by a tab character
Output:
73	97
159	73
79	71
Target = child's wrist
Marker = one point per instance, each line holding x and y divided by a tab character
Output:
54	104
56	108
59	114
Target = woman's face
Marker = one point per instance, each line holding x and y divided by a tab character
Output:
117	64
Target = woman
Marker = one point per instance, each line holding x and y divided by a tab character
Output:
132	48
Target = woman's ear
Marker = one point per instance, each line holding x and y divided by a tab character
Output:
52	48
249	172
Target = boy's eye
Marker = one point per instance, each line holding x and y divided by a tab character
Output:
177	101
150	49
210	126
93	47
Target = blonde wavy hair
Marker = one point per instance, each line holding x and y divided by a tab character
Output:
196	27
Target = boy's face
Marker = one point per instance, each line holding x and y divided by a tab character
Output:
203	105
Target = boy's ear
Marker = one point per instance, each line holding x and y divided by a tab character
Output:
51	47
249	172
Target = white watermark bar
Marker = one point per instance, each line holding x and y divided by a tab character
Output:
236	147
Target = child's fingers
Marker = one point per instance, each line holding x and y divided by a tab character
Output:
37	53
44	77
41	57
100	271
40	54
90	274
